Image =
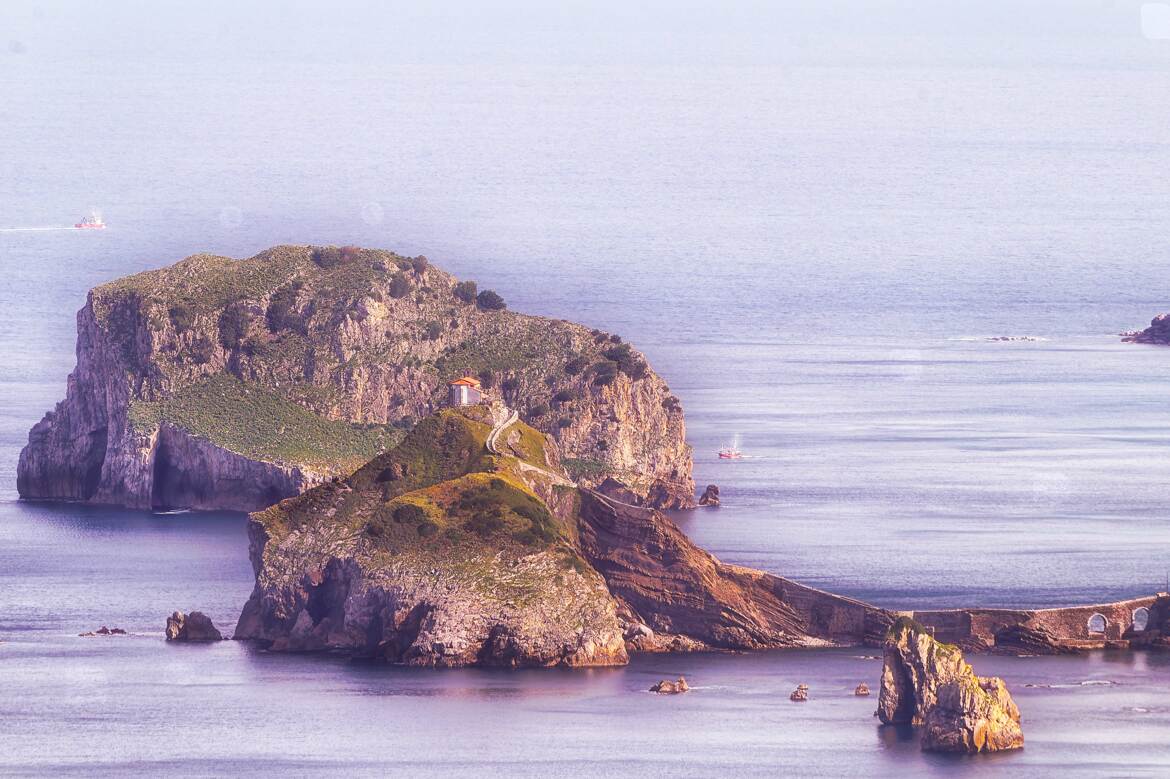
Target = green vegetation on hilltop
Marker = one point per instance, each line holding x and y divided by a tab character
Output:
439	491
207	283
257	423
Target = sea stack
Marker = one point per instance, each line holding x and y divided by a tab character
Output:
193	627
928	683
710	496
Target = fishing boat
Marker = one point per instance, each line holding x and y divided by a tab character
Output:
92	222
731	451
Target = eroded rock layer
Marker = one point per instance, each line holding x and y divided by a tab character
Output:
687	598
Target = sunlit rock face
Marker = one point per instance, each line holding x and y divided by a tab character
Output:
221	383
928	683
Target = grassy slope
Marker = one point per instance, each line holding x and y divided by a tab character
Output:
257	423
439	494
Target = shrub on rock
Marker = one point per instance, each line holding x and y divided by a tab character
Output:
489	300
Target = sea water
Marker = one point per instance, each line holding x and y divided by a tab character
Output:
812	228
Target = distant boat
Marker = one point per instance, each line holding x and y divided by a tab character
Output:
731	451
91	222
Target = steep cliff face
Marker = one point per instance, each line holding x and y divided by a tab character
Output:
928	683
437	553
308	362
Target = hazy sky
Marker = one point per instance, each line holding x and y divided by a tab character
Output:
519	30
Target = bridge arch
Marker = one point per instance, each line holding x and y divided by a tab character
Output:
1141	618
1097	623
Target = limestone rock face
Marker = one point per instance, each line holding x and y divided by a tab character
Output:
195	626
221	383
928	683
337	597
973	715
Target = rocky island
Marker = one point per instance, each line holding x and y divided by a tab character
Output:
231	384
437	480
469	544
1157	333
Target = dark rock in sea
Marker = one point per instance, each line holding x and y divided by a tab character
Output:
1157	333
195	626
928	683
800	694
105	631
861	690
710	496
666	687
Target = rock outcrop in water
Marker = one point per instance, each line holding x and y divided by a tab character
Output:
329	355
1157	333
194	627
667	687
928	683
710	496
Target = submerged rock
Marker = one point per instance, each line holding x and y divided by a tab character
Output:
928	683
195	626
666	687
710	496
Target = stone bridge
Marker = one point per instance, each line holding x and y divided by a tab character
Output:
1135	622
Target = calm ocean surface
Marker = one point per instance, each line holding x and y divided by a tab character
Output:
811	228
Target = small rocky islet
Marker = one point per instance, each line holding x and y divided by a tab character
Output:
928	683
1157	333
